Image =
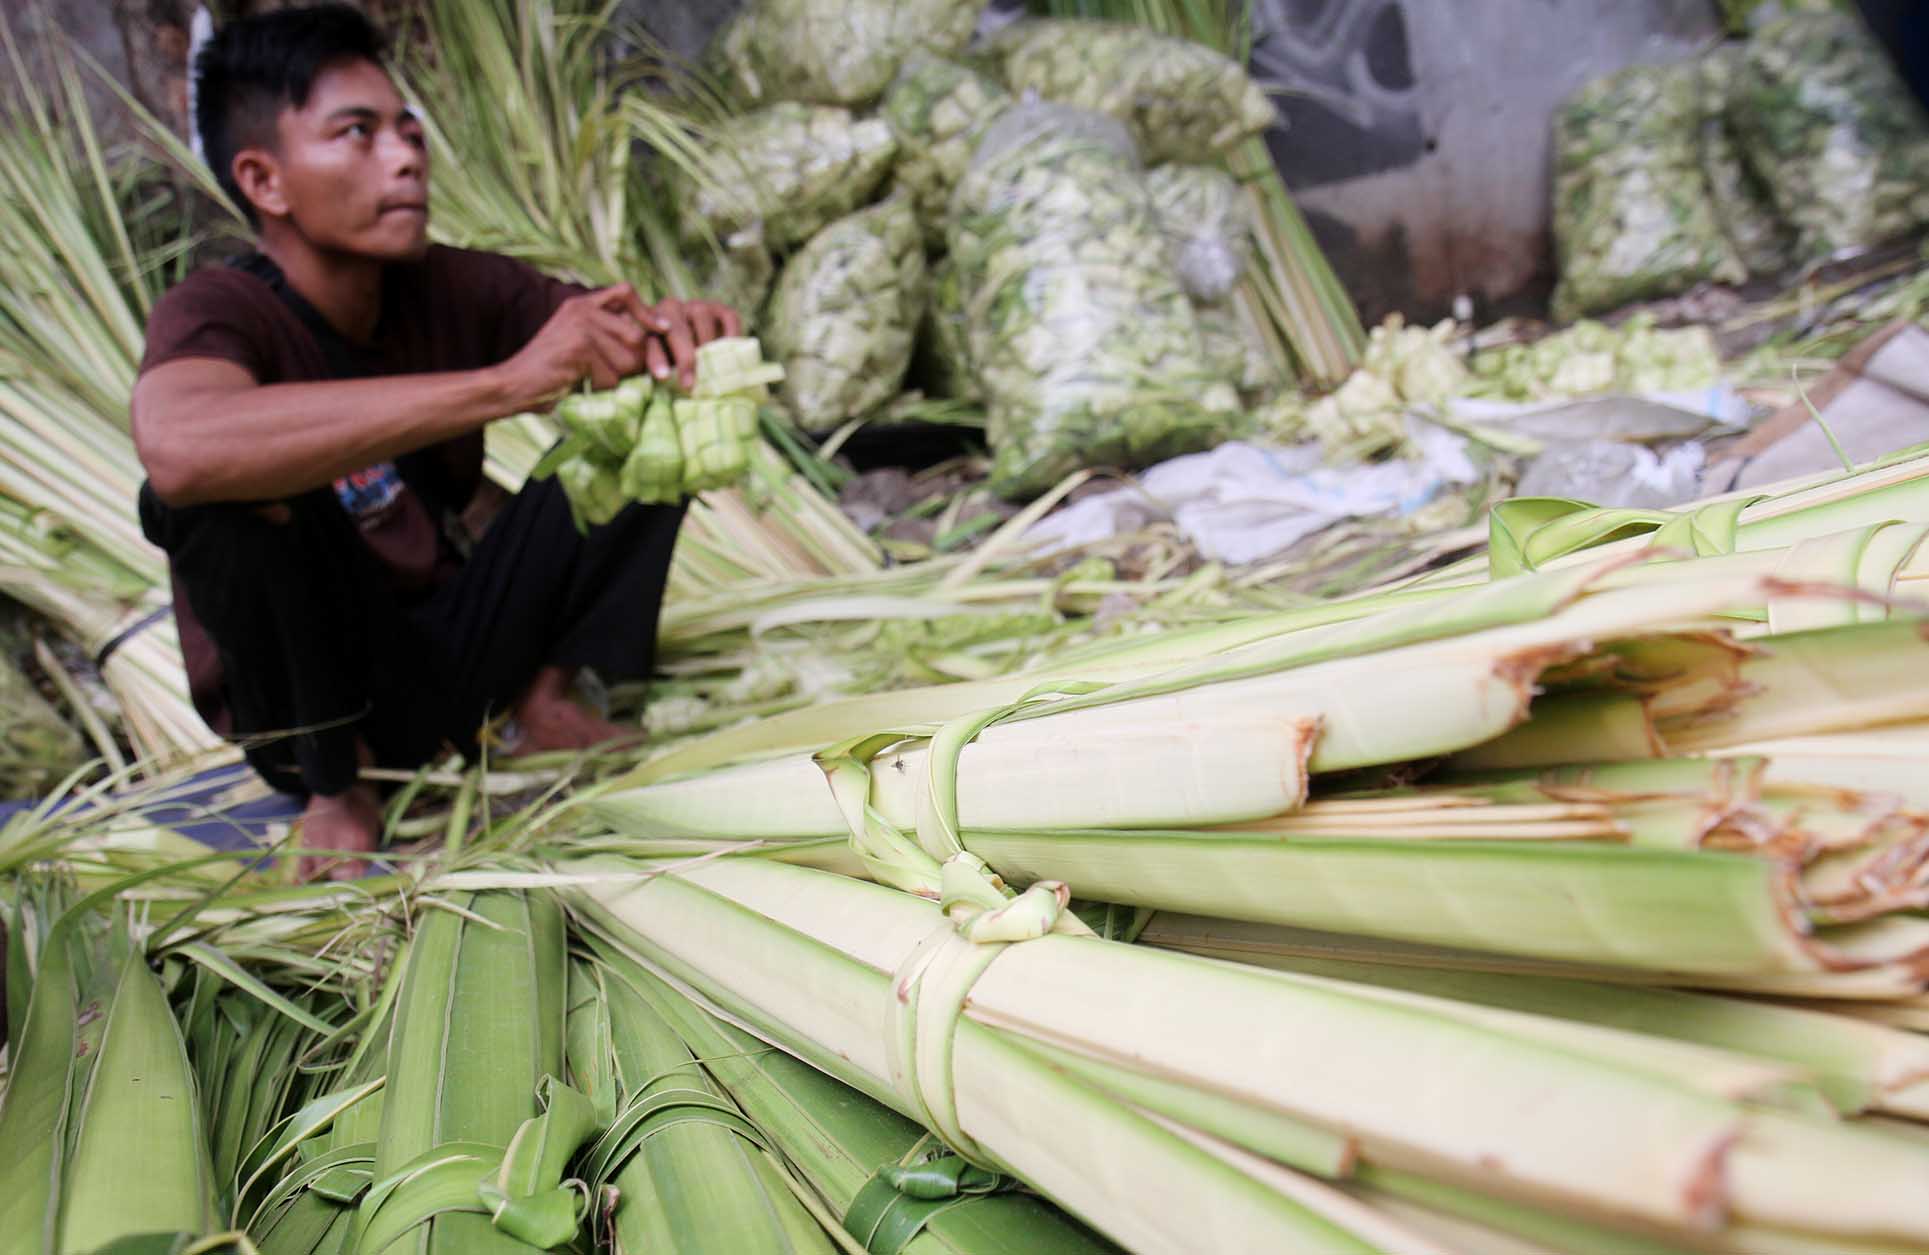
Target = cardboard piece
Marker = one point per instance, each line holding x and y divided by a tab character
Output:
1876	401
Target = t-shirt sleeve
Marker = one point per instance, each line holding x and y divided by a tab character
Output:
207	315
524	298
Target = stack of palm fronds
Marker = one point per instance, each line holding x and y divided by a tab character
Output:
1573	910
1504	813
83	271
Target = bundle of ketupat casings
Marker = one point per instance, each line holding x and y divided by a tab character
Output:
790	168
937	110
1743	204
1205	216
1632	218
944	351
845	312
1202	212
1798	145
1833	133
840	52
1180	99
793	181
1077	329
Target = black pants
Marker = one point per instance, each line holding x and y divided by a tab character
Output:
317	652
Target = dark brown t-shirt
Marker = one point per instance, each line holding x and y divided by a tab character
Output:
453	310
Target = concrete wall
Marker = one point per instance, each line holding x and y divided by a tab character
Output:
682	26
142	44
94	26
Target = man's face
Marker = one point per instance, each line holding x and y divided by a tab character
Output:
352	170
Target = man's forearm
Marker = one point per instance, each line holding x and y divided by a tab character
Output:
206	432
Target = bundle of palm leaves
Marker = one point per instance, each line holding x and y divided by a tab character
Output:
91	247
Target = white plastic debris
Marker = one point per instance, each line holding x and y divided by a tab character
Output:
1242	503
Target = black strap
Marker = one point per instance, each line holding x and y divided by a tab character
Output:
129	632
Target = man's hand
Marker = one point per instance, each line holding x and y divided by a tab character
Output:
607	335
678	329
600	336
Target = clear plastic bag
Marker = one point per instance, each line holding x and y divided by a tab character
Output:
1182	100
1087	349
738	271
835	52
937	110
789	168
1233	353
1632	212
1208	231
944	351
1742	202
1832	132
845	314
1610	473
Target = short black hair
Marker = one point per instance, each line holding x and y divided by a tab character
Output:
255	67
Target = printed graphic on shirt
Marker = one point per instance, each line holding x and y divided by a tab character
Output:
367	493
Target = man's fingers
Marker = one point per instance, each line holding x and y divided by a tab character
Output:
656	358
720	320
622	298
712	325
683	346
621	327
627	335
697	318
605	364
620	344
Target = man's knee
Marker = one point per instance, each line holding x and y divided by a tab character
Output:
240	539
251	569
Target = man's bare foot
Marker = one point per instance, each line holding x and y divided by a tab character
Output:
349	822
552	720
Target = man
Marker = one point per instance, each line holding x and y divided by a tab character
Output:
310	419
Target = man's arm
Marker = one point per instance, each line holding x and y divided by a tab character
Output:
207	430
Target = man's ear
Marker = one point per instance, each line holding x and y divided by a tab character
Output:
258	174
